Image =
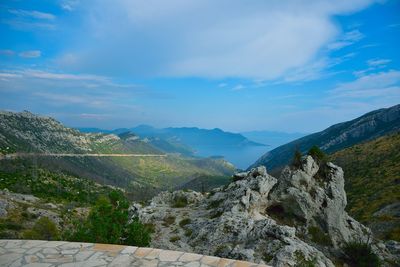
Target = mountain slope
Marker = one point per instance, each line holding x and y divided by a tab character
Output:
142	176
372	183
367	127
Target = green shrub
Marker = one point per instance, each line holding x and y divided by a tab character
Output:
301	260
296	161
318	236
184	222
180	202
174	238
108	222
215	204
360	254
317	154
188	232
44	229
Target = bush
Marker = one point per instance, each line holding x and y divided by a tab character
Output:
174	238
318	236
296	161
44	229
180	202
108	222
360	254
184	222
317	154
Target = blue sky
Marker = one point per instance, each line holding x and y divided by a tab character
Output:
295	66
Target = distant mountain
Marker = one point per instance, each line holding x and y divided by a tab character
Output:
25	132
367	127
271	138
192	141
372	183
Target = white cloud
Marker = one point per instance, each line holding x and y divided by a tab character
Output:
238	87
378	62
30	54
346	39
32	14
69	5
261	39
382	84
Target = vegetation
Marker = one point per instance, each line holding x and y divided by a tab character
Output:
108	222
21	176
296	161
44	229
317	154
184	222
180	202
372	181
302	261
319	237
360	254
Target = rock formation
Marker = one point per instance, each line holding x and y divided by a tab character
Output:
299	218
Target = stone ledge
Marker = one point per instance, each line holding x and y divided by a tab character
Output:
66	254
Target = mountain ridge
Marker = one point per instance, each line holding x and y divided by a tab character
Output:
366	127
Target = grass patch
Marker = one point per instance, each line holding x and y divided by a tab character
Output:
318	236
180	202
360	254
174	238
184	222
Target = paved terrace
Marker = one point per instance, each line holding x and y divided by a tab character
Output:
34	253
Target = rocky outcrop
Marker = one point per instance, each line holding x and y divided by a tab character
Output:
298	218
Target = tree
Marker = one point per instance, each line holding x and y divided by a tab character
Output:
108	222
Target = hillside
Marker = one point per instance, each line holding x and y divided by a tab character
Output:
372	172
367	127
142	176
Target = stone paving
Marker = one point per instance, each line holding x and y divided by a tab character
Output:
35	253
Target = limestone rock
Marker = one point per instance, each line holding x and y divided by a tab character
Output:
298	218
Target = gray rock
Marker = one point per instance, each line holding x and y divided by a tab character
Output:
298	218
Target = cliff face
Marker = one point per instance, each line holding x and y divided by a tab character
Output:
367	127
299	217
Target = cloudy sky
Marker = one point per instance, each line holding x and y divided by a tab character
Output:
295	66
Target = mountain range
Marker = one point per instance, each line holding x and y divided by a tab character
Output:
342	135
142	176
193	141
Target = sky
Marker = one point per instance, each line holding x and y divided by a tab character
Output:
278	65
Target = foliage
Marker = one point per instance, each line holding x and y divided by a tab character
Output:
360	254
302	261
317	154
184	222
296	161
318	236
174	238
108	222
48	185
44	229
372	181
180	202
